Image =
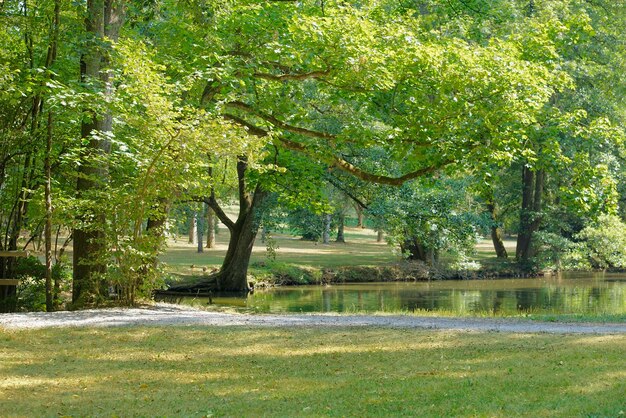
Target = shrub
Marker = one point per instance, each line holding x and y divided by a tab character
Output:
285	274
559	253
605	242
31	293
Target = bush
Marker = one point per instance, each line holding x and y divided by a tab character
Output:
605	242
278	273
309	225
31	293
559	253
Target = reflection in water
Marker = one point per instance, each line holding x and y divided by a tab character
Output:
563	294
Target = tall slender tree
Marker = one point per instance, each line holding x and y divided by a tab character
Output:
104	19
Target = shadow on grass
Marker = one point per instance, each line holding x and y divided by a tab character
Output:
232	371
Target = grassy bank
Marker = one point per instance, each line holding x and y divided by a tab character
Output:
158	371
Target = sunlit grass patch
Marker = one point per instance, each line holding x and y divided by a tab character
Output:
205	371
361	248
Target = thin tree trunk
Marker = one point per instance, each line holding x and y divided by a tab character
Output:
50	58
530	214
340	229
524	234
326	233
200	232
537	208
192	229
379	235
48	226
359	216
496	232
210	221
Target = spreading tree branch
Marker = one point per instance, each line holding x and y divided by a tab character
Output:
219	212
334	181
269	118
339	162
292	76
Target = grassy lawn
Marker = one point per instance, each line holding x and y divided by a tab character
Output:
360	249
194	371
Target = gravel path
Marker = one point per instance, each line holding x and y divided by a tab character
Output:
166	314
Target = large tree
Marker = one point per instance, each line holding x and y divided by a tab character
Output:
322	81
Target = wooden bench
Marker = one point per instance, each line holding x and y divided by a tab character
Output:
8	286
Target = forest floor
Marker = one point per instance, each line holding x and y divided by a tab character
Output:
168	314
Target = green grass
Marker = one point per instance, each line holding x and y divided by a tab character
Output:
581	317
211	371
361	249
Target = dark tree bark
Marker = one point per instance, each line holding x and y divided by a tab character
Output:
416	251
530	214
156	225
103	22
379	235
200	233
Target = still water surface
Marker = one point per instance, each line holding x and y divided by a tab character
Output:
563	294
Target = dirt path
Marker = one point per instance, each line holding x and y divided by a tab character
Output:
165	314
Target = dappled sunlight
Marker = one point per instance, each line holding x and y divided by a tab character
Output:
323	348
193	370
601	383
360	244
601	339
30	382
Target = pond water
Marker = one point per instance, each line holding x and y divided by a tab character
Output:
564	294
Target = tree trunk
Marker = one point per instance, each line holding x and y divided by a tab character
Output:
210	221
156	227
200	233
496	232
50	58
340	229
103	22
530	214
416	251
233	275
48	227
326	233
359	216
524	234
379	235
192	229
